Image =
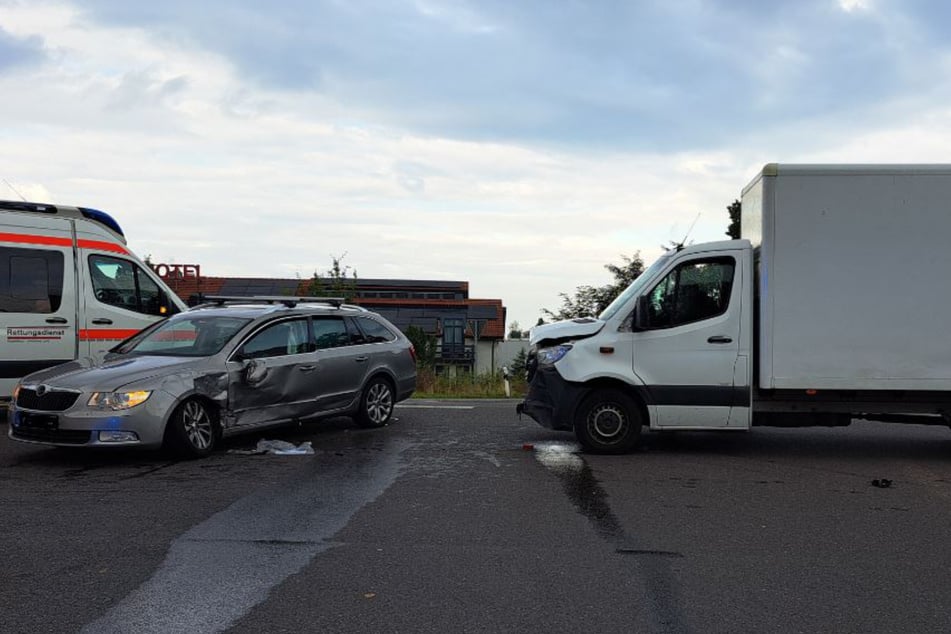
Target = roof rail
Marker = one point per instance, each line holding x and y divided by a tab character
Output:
290	302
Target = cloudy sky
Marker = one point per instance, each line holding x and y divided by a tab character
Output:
517	145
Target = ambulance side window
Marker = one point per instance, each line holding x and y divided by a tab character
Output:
31	280
124	284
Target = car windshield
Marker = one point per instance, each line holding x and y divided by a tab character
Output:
186	336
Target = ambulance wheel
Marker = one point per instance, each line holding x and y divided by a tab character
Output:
193	429
608	421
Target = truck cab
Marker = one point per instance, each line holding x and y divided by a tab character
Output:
673	351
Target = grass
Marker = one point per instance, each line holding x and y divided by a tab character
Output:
431	385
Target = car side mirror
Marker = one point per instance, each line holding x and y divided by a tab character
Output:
253	371
641	313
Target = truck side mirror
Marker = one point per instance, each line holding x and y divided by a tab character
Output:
641	314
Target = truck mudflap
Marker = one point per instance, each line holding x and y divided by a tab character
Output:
551	401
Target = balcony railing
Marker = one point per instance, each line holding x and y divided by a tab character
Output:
455	353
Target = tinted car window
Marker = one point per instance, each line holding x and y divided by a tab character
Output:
375	331
330	332
31	280
282	338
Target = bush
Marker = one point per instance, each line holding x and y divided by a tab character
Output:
487	385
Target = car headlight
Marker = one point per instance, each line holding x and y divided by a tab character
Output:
547	356
118	400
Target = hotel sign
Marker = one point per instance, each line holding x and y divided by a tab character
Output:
177	271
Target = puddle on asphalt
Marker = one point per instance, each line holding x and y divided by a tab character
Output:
583	489
587	495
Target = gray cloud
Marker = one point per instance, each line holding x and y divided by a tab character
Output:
649	75
16	52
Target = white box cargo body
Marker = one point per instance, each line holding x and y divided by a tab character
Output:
834	306
853	276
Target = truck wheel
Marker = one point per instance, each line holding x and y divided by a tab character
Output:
376	404
608	421
192	431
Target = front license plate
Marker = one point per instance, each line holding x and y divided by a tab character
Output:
37	421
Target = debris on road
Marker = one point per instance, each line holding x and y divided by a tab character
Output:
882	483
277	448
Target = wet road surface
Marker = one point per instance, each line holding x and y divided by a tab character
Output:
459	517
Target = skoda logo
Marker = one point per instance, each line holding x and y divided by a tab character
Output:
42	389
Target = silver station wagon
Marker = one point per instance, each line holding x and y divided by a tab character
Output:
229	365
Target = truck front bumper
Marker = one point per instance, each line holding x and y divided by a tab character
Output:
551	401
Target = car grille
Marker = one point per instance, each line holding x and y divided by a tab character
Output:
64	436
51	401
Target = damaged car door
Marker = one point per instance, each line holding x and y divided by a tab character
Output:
272	374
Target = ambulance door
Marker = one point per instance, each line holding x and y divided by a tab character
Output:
119	299
38	310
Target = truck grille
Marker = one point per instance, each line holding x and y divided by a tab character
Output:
51	401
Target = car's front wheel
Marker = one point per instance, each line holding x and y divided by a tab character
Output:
192	431
608	421
376	404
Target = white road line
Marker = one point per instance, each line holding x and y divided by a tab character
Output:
436	406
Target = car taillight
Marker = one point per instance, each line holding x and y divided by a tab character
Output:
412	352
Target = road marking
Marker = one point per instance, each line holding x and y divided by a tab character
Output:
216	572
436	406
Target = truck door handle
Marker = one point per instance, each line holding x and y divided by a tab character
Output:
56	320
719	339
101	321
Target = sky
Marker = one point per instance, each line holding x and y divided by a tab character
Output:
519	146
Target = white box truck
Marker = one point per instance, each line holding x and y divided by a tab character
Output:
69	288
833	306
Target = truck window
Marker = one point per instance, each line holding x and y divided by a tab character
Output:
694	291
124	284
31	280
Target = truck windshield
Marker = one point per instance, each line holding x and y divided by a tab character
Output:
636	286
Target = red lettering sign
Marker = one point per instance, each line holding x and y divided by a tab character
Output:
176	271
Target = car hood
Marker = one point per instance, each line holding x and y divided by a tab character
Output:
564	330
90	375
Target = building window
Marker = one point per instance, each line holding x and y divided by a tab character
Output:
453	331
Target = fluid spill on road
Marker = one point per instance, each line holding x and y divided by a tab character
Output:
591	500
220	569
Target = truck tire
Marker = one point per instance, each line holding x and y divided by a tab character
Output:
608	421
192	430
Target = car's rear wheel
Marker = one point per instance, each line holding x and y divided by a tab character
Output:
193	429
608	421
376	404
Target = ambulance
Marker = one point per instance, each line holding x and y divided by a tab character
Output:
69	288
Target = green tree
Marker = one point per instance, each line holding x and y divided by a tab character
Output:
519	364
339	281
591	300
424	344
734	210
515	330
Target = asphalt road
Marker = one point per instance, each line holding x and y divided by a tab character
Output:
459	517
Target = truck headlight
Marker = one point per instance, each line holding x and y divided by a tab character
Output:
118	400
548	356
